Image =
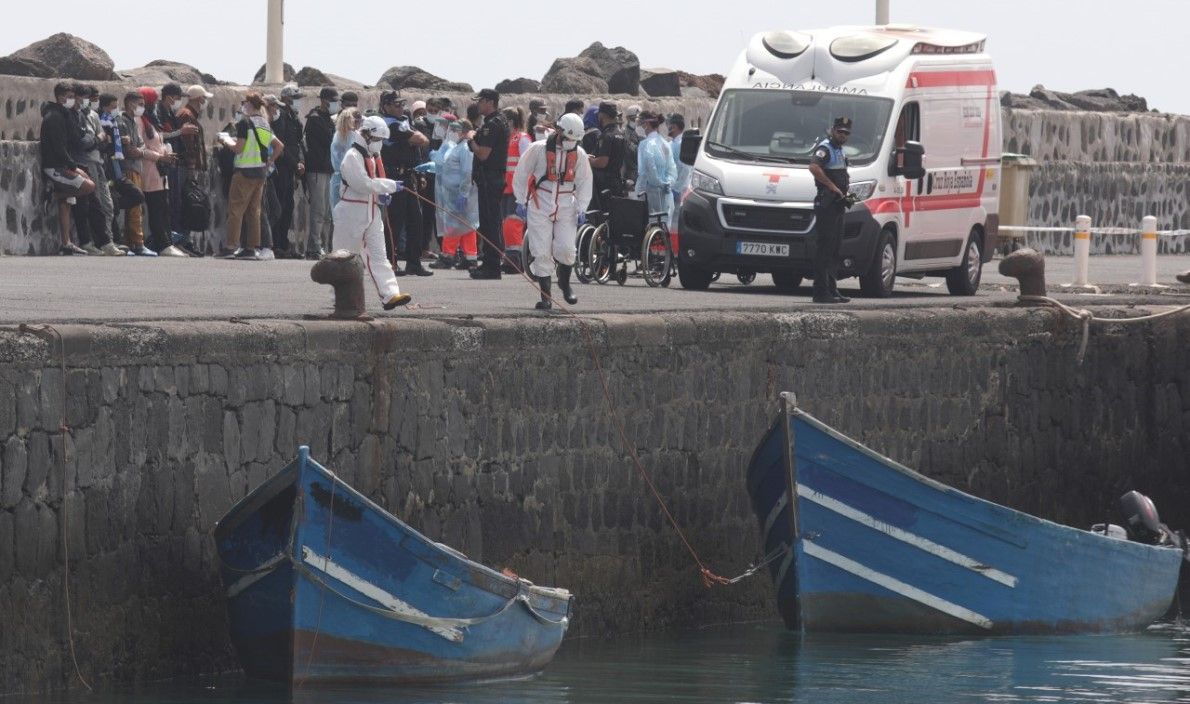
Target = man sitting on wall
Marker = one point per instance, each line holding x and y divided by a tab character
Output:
59	132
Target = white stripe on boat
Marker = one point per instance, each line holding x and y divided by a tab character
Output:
905	536
377	594
895	585
256	574
775	513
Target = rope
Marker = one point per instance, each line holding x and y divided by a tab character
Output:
63	429
1086	317
709	577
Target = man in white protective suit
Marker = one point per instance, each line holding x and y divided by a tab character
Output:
552	187
358	216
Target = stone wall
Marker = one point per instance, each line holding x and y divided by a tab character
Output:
492	436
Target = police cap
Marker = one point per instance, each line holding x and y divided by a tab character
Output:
609	108
843	123
391	97
488	94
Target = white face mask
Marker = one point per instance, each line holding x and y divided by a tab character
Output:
333	107
140	110
640	131
86	105
374	147
69	104
569	144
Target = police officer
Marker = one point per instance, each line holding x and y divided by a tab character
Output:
828	165
490	146
401	152
607	158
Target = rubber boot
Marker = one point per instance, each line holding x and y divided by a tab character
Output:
839	298
545	303
564	283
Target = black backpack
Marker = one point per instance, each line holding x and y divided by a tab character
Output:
196	205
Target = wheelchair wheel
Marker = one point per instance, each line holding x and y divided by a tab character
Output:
746	277
601	256
622	272
656	256
582	262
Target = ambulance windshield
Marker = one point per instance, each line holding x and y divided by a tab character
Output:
770	125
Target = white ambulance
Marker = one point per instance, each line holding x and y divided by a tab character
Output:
924	158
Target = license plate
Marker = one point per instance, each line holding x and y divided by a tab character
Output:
762	249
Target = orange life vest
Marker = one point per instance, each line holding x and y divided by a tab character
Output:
514	158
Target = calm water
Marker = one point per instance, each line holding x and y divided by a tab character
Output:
764	663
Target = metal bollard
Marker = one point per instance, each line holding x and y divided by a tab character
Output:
1082	254
1148	253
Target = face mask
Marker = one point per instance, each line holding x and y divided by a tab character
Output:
69	104
238	116
569	144
452	137
640	131
333	107
140	110
85	105
374	147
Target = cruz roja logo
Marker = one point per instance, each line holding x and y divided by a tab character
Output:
774	180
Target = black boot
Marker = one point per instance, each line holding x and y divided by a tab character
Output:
545	303
834	290
564	283
822	290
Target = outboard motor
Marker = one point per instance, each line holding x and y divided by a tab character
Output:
1141	520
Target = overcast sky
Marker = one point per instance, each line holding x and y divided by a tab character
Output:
1135	47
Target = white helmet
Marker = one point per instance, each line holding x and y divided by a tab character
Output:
375	126
571	126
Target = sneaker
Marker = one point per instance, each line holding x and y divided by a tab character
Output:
70	249
92	250
246	254
72	200
173	251
111	250
225	253
465	264
398	300
265	254
418	271
142	251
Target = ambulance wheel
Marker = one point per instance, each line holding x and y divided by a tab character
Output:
582	264
714	277
694	278
656	256
600	255
786	281
746	277
878	280
963	280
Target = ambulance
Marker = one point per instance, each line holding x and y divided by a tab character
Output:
924	159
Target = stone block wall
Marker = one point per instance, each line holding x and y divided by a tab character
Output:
492	436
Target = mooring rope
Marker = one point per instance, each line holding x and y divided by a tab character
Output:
1086	317
709	577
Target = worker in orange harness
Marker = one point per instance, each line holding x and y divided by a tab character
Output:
364	193
552	185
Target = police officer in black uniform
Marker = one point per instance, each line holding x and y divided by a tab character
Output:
401	152
490	146
607	158
828	165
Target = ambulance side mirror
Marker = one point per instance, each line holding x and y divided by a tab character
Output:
908	161
691	141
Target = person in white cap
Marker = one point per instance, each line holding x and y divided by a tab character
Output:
192	166
365	191
552	186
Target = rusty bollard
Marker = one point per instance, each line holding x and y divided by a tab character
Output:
1027	266
343	271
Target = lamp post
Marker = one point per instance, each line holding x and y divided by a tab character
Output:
882	11
274	67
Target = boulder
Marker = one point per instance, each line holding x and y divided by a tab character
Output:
310	76
1106	100
618	66
402	77
286	71
345	83
711	83
67	56
576	76
159	72
661	82
11	66
1051	99
518	85
694	92
1020	102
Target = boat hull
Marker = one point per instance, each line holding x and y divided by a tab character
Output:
876	547
324	586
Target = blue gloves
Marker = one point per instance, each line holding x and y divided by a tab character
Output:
665	190
384	199
400	187
460	203
582	218
520	210
426	168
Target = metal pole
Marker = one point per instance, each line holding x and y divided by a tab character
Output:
274	67
882	11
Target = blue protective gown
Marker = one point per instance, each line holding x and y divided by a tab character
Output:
656	175
452	167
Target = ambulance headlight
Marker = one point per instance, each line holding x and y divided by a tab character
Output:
863	189
701	182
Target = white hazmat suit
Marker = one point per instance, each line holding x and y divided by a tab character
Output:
359	224
553	205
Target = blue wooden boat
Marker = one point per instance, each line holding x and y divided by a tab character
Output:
868	545
324	586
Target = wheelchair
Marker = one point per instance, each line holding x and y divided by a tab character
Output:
630	234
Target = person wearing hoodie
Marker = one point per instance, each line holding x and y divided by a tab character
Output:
319	131
59	129
136	161
92	219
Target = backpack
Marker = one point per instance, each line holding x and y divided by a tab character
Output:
196	205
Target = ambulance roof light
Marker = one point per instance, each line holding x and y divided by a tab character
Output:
786	45
926	48
858	47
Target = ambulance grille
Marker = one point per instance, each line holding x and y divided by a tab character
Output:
751	217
